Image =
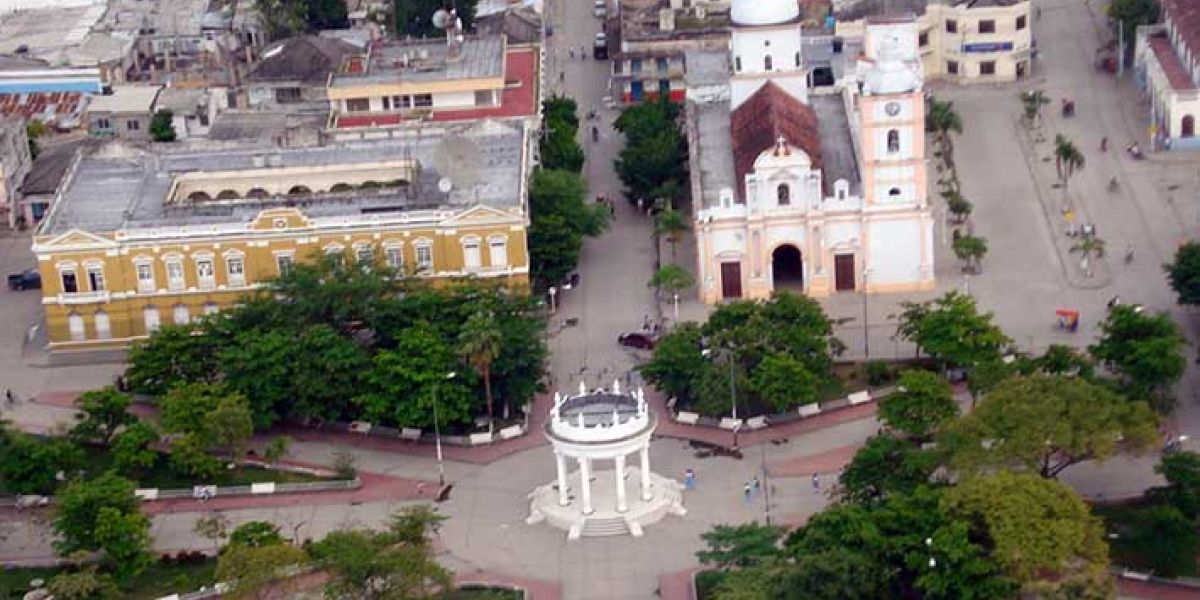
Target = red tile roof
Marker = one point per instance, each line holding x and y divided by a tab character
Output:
1185	15
43	104
518	99
762	119
1176	73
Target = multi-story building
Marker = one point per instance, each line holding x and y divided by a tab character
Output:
125	112
650	39
1168	68
137	238
965	41
292	74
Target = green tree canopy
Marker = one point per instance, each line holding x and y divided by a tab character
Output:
654	158
1129	14
256	534
677	363
1145	350
1184	273
952	330
131	450
1182	472
254	571
739	545
79	506
397	563
560	219
85	584
124	537
479	346
1046	424
886	466
102	413
31	465
414	17
161	128
922	403
405	383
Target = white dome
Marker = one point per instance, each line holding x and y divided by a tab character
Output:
764	12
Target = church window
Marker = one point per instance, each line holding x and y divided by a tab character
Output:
987	67
767	62
737	64
987	26
797	59
952	67
893	141
951	26
784	194
894	192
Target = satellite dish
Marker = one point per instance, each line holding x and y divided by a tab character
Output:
441	18
444	185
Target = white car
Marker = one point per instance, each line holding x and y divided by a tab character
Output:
600	9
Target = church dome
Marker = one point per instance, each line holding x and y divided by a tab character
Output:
764	12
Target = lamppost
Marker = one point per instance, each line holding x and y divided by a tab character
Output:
437	432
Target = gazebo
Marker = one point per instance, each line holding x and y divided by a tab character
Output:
602	425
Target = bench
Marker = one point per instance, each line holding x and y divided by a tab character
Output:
362	427
756	422
478	439
809	410
730	423
410	434
263	488
509	433
687	418
859	397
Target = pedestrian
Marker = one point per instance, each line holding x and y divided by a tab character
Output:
816	483
748	490
689	479
755	485
1104	144
9	395
561	76
641	203
571	49
645	322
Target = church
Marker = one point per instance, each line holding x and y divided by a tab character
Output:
807	158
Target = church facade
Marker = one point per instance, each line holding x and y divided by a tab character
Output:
813	188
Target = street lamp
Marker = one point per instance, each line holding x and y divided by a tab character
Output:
437	432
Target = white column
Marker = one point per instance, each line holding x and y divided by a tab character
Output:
561	463
622	506
585	474
645	456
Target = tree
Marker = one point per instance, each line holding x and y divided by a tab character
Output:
251	571
886	466
1067	160
671	224
230	426
277	448
32	465
256	534
1064	360
1184	273
922	403
987	375
103	412
559	148
739	545
653	161
189	454
677	364
174	354
942	120
413	16
1144	350
413	525
782	383
1182	472
214	527
124	537
404	383
161	127
1033	101
671	279
85	584
1037	528
560	219
1046	424
479	345
970	249
952	330
131	450
1166	540
1088	245
958	206
34	129
1130	14
79	505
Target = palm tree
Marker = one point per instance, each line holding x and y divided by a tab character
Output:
670	223
479	345
1067	159
942	120
1088	245
1033	102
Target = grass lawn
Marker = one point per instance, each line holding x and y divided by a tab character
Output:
161	579
471	592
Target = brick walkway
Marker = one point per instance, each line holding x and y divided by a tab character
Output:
677	585
1150	590
830	461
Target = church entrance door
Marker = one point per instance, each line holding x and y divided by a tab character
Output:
787	268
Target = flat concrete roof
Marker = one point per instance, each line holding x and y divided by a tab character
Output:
122	186
429	60
714	151
126	99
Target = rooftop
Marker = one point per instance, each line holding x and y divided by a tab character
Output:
126	99
640	20
768	115
1173	68
425	60
711	141
853	10
50	165
59	109
122	186
308	59
1185	16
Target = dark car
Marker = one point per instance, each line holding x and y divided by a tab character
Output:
29	279
600	46
644	340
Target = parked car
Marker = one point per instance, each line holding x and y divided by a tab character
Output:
600	46
29	279
643	340
600	9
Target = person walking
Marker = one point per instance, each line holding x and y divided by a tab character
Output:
689	479
748	491
755	485
816	479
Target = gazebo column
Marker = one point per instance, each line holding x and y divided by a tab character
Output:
645	456
561	463
622	506
585	475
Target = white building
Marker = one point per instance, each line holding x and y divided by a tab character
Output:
812	189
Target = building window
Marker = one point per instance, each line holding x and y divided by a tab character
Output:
987	26
635	65
399	102
387	103
1187	126
923	39
175	275
95	275
498	249
287	95
103	123
235	267
987	67
661	64
485	98
211	308
424	257
767	62
364	256
133	125
284	263
69	284
1022	22
205	273
471	254
145	276
181	315
151	319
422	100
798	60
893	141
394	256
737	64
103	325
894	192
358	104
951	26
952	67
783	193
76	327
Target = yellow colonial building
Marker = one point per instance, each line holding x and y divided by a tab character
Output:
137	238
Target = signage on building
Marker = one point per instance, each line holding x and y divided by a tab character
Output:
988	47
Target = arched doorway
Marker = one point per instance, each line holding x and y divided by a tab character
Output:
787	268
1188	127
